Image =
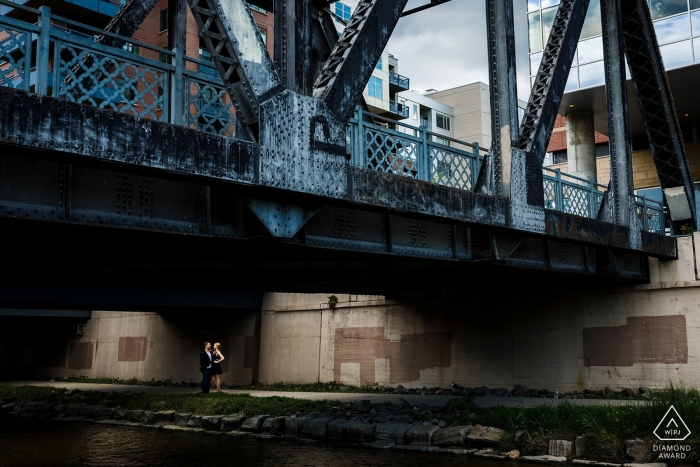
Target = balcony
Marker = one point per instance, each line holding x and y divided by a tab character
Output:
400	110
399	81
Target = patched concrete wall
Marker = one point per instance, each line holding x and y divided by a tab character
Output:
621	337
148	346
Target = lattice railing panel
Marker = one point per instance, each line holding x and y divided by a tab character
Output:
13	57
550	194
391	153
111	82
576	200
210	108
451	169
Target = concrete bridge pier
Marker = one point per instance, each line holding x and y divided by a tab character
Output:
580	144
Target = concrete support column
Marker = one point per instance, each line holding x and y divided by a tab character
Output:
580	144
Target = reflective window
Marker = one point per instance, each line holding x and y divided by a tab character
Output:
535	60
572	82
379	63
672	29
343	10
663	8
592	26
375	88
694	4
676	55
546	3
592	74
696	47
534	28
533	5
590	50
548	16
695	21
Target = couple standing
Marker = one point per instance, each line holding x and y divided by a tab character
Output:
210	366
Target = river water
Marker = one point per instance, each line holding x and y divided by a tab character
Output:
89	444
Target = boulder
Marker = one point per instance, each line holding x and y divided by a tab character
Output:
559	448
88	411
405	404
361	432
485	435
393	431
232	422
514	454
452	436
164	416
195	421
37	407
212	422
580	445
181	419
254	423
317	427
638	450
338	429
273	425
421	435
546	459
73	410
58	409
381	444
294	425
104	413
119	415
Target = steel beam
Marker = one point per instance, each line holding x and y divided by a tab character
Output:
127	20
548	89
347	70
232	37
503	88
655	101
621	204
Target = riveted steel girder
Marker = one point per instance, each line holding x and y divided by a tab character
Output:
655	100
127	20
503	88
356	54
620	205
232	37
548	89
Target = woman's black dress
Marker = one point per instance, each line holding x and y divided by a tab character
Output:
215	367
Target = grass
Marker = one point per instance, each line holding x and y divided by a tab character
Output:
605	427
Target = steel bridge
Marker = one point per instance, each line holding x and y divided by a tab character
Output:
133	166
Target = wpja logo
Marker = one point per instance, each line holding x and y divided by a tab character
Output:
672	428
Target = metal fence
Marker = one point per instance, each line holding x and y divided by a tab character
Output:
137	79
144	81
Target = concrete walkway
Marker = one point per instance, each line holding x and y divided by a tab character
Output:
481	401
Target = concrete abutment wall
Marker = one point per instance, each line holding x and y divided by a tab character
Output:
646	335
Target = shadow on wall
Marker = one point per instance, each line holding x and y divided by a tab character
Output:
365	356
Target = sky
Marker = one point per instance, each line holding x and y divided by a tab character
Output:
445	46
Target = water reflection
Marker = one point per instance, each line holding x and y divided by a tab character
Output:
81	444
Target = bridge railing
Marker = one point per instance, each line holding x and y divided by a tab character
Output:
412	151
62	58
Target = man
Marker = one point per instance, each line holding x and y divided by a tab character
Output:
205	361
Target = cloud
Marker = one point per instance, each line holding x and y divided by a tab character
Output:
445	46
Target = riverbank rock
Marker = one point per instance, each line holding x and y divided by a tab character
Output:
485	434
638	450
273	425
164	416
293	425
381	444
338	429
393	431
212	422
514	454
195	421
559	447
580	445
421	435
489	454
451	436
317	427
73	410
232	422
545	459
181	419
254	423
104	413
361	432
37	407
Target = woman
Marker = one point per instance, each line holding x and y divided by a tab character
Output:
216	366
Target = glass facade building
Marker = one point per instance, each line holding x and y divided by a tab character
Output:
677	25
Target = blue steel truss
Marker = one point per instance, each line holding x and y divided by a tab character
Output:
139	80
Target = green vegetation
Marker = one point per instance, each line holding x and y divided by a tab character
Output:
605	427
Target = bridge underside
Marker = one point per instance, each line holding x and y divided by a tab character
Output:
89	198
